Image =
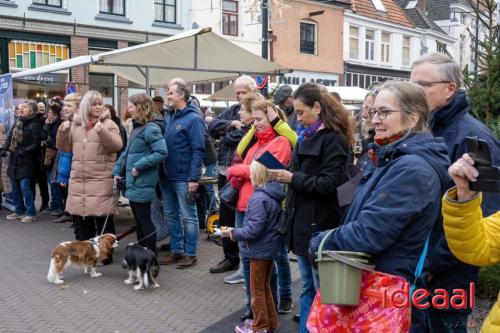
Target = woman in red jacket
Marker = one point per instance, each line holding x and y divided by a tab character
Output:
239	175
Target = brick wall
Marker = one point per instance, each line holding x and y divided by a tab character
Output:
122	98
286	48
80	74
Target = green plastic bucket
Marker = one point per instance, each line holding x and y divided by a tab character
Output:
340	274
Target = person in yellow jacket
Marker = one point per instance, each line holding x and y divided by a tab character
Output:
472	238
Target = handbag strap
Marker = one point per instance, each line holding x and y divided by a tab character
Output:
420	263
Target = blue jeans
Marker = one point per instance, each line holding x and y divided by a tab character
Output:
24	202
182	218
210	202
57	201
309	286
245	264
284	273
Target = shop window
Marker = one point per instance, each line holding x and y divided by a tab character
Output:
204	88
165	11
25	55
219	85
50	3
230	17
103	83
113	7
307	38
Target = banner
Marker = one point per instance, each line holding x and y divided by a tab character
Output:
7	118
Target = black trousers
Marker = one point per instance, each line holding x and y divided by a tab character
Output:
88	227
227	218
43	184
144	225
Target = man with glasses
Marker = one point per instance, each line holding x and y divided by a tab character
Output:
441	78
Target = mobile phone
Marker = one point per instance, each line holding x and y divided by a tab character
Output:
488	179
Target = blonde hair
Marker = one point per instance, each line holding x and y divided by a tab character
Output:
86	105
249	99
73	97
259	174
144	106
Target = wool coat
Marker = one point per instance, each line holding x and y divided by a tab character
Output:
90	191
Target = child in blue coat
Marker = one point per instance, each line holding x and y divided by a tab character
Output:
262	242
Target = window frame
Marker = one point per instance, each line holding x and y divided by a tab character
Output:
111	13
229	14
370	51
351	37
441	47
302	48
407	63
46	3
385	48
164	7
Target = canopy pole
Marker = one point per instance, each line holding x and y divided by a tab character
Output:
196	52
148	91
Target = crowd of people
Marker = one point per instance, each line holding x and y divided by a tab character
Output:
81	155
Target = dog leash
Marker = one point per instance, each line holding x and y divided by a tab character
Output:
143	238
114	197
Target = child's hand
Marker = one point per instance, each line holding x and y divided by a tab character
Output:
226	232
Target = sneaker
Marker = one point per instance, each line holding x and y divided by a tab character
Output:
63	218
48	210
286	305
14	216
235	278
248	323
56	212
28	219
172	258
223	266
186	262
241	328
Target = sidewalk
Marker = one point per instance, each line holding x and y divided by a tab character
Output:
191	300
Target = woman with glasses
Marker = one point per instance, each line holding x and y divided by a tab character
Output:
398	200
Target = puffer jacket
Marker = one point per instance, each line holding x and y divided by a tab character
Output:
90	191
260	226
267	140
25	160
147	150
474	240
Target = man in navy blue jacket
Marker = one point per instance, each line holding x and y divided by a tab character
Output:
185	137
441	78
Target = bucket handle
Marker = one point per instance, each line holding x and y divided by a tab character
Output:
322	243
349	261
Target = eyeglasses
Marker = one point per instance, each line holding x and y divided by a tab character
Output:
430	83
381	111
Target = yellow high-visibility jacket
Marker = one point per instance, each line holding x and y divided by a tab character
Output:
473	239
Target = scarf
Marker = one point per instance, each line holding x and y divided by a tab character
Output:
305	133
265	136
377	147
18	132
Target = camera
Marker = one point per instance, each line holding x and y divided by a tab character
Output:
119	185
489	175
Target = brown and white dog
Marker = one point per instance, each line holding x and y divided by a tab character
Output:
80	253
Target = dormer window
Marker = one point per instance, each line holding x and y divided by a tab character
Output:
379	5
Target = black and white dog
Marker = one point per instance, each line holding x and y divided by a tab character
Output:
142	265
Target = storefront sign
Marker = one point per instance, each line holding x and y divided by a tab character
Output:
46	78
299	77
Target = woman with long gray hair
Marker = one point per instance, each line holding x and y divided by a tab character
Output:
94	140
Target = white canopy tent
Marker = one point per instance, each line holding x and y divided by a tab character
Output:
198	55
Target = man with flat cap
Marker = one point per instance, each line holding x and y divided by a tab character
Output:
283	98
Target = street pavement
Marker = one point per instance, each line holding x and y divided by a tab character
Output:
190	300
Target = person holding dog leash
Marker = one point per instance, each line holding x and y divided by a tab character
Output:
94	140
139	165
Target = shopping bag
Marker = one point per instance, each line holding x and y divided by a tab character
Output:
376	311
158	219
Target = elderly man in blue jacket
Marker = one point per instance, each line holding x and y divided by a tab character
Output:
185	137
441	78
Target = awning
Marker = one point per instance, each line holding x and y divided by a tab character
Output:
198	55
